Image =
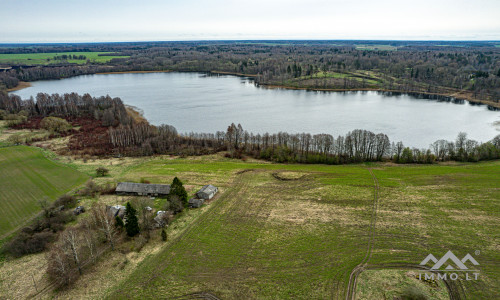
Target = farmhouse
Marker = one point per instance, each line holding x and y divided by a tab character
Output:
142	189
207	192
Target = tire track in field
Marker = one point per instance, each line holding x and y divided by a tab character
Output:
351	286
455	289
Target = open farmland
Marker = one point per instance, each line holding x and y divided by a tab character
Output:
26	177
48	58
298	231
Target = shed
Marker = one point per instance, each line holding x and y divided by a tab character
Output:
207	192
195	202
117	210
142	189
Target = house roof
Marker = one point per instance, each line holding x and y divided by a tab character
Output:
209	189
143	188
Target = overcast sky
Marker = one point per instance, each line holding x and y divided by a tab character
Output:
140	20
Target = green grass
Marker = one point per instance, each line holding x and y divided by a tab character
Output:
27	176
266	238
48	58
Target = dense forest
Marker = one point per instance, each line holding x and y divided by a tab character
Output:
108	128
463	70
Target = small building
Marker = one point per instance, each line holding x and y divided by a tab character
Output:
142	189
117	210
161	219
207	192
195	202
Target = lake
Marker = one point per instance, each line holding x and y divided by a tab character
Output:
201	103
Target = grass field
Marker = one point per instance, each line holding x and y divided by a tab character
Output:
267	238
26	176
48	58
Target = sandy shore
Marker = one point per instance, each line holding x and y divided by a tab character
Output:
20	86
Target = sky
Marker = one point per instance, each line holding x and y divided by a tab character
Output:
168	20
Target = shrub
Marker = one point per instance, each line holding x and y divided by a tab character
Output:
29	242
413	293
54	124
67	201
101	172
175	204
90	189
163	235
144	180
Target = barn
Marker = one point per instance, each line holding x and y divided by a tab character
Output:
142	189
207	192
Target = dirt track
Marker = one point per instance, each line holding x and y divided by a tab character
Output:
455	290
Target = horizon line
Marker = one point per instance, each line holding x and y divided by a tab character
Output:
245	40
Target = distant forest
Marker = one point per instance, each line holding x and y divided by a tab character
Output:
463	70
108	128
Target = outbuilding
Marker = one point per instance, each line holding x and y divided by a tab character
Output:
116	210
195	202
142	189
207	192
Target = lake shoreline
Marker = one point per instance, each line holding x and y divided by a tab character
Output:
21	85
132	72
460	95
456	95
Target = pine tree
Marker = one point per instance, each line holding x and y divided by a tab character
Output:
163	235
131	224
498	74
178	189
119	222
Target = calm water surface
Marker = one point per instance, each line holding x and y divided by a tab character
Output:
200	103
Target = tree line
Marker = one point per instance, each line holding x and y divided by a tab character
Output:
418	67
117	133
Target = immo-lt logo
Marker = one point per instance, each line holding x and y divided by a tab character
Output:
448	266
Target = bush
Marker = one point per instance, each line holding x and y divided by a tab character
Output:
29	242
90	189
413	293
163	235
15	119
54	124
67	201
101	172
175	204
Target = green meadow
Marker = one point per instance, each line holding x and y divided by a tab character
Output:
297	231
26	177
48	58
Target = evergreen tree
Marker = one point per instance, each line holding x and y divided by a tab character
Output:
119	222
131	224
178	189
498	74
163	235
